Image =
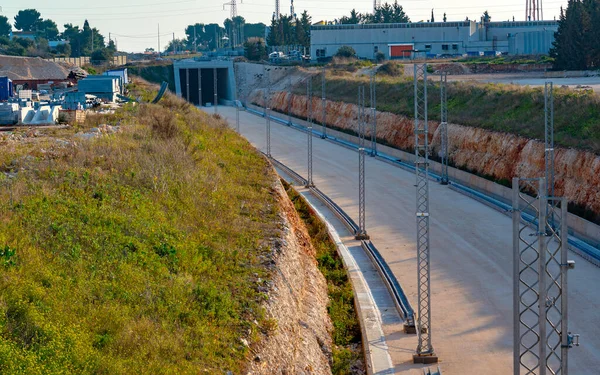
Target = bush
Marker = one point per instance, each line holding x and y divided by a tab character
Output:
379	57
345	51
392	69
255	49
102	55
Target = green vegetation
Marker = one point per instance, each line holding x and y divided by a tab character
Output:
155	73
345	51
576	44
346	328
138	252
498	107
385	13
503	60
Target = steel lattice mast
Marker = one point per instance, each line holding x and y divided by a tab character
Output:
232	15
277	13
309	178
373	103
323	105
268	115
444	127
424	352
549	139
540	295
361	234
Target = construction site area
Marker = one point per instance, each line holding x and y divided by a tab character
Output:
470	232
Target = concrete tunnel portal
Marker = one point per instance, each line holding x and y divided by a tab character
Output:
194	82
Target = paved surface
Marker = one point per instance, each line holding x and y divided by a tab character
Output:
530	79
471	257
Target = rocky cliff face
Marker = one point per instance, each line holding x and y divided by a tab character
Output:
300	341
500	155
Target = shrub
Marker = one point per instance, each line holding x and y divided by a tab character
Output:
345	51
392	69
379	57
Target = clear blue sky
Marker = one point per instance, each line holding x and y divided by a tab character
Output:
134	23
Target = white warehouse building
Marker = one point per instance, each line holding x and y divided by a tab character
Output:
409	40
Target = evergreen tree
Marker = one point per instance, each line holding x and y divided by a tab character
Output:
432	16
571	39
445	17
5	27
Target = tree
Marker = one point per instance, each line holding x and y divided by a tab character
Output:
112	47
101	55
572	37
47	29
432	17
255	49
305	23
354	19
445	17
71	34
63	50
26	20
345	51
175	45
486	17
5	27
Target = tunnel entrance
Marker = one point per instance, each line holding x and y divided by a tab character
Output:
195	82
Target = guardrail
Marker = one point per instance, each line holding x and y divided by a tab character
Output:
577	245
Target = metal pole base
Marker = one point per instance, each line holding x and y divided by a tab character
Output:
323	136
444	182
372	153
425	358
308	186
361	236
410	329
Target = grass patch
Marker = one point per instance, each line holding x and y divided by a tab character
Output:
505	108
346	328
137	252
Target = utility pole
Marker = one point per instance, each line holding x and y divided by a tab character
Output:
549	140
158	40
425	352
373	101
216	100
309	179
444	127
361	234
289	101
540	289
277	12
268	116
323	105
174	47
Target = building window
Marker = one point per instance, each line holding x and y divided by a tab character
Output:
444	47
455	46
320	52
375	49
427	46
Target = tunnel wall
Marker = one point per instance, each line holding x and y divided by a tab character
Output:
194	81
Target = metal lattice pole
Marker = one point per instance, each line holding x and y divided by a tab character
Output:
540	265
549	139
268	115
289	101
215	88
323	105
361	234
425	352
444	127
309	179
373	102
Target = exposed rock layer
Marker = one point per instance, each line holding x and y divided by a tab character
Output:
500	155
301	341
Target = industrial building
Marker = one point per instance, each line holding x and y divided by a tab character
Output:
103	87
195	81
435	39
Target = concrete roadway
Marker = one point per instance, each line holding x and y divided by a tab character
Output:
471	255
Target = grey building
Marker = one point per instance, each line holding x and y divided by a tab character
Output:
420	39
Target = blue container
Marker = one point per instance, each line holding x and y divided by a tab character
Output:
6	88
